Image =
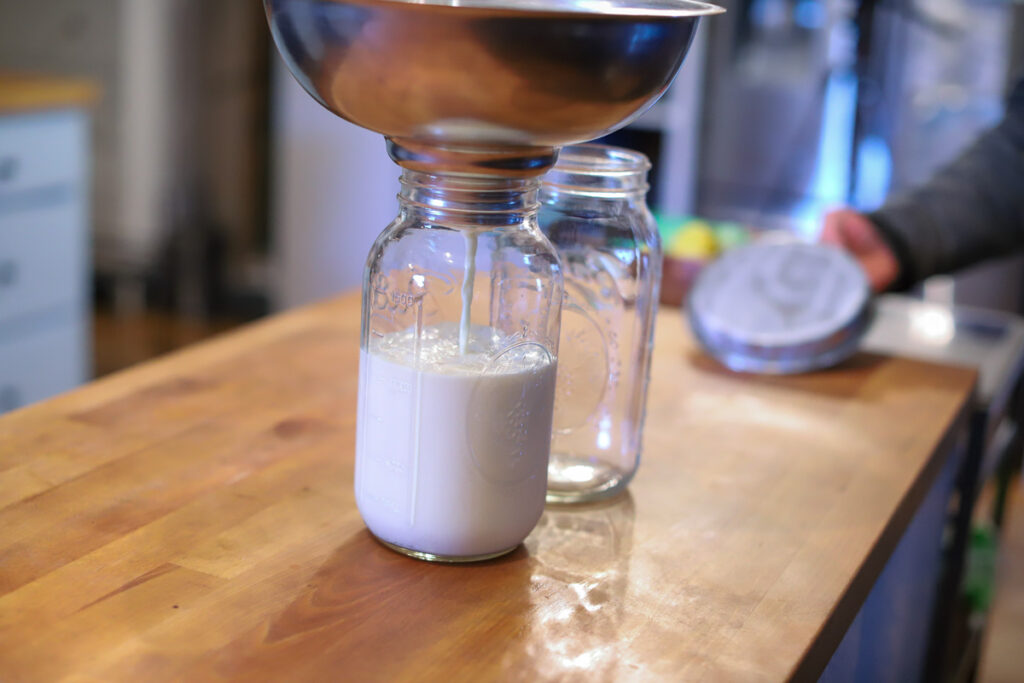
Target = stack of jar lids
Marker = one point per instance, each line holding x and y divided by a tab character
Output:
781	308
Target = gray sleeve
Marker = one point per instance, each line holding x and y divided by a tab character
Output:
971	210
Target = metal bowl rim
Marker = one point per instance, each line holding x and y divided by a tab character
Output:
672	9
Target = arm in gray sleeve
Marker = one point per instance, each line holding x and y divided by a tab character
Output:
971	210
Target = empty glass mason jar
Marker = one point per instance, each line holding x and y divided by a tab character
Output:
460	332
593	211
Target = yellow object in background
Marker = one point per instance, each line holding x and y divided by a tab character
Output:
694	240
689	244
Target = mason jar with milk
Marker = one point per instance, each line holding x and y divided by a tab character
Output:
461	306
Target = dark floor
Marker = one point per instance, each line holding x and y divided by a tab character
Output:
1002	658
120	341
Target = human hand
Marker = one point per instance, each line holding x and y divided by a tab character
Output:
856	234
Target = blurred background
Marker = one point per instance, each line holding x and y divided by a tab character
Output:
163	178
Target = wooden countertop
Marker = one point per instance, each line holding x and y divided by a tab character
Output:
193	519
21	92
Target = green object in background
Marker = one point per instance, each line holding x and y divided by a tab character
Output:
668	225
731	235
980	574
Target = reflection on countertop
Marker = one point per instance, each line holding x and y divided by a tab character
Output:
581	557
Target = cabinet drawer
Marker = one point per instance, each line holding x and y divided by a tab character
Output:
41	149
41	365
42	259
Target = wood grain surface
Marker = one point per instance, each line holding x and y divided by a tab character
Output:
193	519
22	92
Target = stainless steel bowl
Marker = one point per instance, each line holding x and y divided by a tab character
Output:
483	86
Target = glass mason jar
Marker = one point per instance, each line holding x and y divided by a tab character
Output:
461	301
593	211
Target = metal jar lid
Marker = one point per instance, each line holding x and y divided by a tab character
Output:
781	308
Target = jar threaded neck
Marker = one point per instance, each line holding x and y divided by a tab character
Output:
471	199
598	171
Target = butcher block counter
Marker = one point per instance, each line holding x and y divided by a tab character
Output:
193	519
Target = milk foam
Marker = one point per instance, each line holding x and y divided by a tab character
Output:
452	448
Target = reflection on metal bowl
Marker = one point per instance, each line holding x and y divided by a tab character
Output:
478	76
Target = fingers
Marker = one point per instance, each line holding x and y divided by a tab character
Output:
848	229
859	236
831	232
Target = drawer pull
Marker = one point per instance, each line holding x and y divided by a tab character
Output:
8	169
10	398
8	273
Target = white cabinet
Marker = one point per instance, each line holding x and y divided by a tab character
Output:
43	363
44	293
40	257
124	45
